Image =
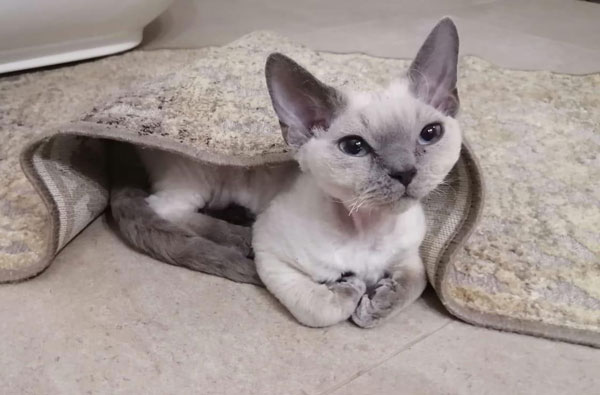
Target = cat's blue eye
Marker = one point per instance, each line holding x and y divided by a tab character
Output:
431	133
354	146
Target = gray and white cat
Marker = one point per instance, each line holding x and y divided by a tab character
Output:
337	235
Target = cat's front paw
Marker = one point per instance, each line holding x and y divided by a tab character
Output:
349	290
377	304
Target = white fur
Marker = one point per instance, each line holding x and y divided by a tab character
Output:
319	238
181	186
313	232
305	239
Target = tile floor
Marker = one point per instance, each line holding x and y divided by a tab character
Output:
102	321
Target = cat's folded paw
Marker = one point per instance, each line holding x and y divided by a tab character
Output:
349	287
377	304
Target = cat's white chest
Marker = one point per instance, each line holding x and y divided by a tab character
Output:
369	252
303	229
368	258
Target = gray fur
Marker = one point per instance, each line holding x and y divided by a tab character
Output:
315	104
221	232
204	244
433	72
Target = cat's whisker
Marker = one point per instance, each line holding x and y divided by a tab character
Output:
356	206
359	202
350	203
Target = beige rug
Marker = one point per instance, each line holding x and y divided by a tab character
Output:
532	265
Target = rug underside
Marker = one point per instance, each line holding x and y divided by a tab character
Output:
531	263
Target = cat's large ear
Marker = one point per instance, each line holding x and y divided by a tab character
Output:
301	101
432	74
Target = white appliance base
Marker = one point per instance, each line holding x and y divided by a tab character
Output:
27	58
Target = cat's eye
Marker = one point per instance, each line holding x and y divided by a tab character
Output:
431	134
354	145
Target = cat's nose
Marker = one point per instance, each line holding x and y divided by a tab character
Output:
404	176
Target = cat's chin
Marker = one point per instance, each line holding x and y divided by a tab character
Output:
396	203
404	203
397	206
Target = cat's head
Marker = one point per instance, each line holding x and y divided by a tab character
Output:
369	149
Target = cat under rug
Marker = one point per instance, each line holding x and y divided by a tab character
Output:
337	232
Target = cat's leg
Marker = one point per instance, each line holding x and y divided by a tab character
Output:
160	238
220	232
141	226
311	303
391	294
181	208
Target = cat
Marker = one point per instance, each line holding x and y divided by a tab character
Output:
337	234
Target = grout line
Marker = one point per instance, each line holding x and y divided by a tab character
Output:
381	362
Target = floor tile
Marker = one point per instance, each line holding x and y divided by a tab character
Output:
113	321
463	359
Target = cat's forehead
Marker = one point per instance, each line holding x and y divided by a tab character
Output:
390	110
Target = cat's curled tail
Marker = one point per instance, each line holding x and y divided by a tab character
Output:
144	230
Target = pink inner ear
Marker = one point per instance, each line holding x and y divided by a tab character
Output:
320	123
300	100
313	116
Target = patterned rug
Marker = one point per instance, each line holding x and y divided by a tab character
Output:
531	264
